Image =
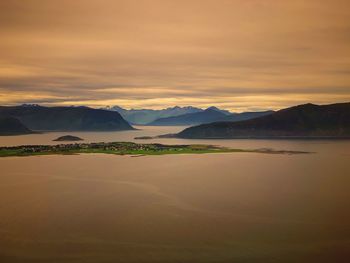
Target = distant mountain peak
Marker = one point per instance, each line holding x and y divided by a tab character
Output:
30	105
213	108
306	105
144	116
114	107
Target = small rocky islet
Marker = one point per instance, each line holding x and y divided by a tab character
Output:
68	138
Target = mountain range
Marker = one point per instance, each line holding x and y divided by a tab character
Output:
307	120
145	116
181	116
209	115
38	118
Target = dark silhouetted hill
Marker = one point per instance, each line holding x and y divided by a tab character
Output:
209	115
206	116
306	120
66	118
12	126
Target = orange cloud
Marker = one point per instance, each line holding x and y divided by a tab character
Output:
157	53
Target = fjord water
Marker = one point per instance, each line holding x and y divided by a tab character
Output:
238	207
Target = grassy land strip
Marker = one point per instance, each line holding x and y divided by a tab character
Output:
124	148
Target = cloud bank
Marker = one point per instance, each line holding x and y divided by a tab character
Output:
239	55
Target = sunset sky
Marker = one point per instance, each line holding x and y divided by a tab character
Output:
238	54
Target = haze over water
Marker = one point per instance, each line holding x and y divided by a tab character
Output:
239	207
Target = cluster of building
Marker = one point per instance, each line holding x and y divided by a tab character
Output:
112	146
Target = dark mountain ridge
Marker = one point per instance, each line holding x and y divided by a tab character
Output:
12	126
145	116
66	118
247	115
306	120
209	115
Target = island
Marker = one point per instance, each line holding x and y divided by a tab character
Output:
144	138
68	138
127	148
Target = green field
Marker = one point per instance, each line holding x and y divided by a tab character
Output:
124	148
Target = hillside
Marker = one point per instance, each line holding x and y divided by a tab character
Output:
206	116
209	115
306	120
247	115
12	126
66	118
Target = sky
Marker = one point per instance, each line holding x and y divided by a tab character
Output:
235	54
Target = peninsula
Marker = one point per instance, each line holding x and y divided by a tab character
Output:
126	148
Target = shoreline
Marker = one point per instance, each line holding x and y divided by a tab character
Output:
128	148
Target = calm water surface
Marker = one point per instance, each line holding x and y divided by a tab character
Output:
239	207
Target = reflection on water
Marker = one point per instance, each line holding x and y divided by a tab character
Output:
240	207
